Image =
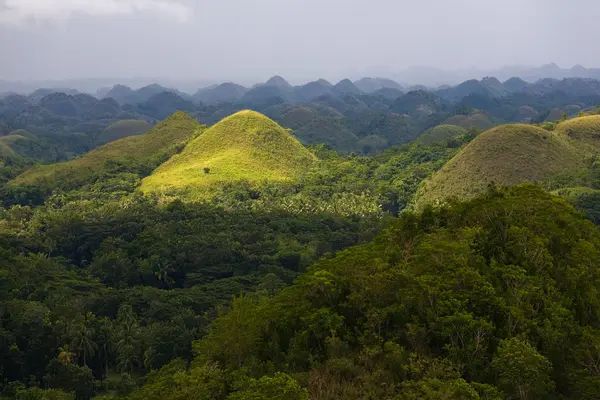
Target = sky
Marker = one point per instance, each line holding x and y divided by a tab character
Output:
251	40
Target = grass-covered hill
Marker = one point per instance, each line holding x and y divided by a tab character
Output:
506	155
137	154
585	130
22	147
246	146
512	154
441	133
122	129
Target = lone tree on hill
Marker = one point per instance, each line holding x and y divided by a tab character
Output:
206	170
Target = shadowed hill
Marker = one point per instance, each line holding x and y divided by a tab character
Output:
121	129
506	155
245	146
138	154
441	133
371	85
224	93
345	86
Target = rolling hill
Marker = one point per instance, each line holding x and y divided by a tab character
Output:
585	130
506	155
245	146
441	133
121	129
224	93
137	154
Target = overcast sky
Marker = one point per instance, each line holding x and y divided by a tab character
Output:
250	40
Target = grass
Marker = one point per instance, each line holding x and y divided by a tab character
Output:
246	146
477	120
156	146
6	152
441	133
121	129
584	130
7	147
506	155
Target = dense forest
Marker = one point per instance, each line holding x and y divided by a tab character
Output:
352	241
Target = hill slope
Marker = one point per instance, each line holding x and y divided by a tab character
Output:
245	146
121	129
139	154
441	133
585	130
506	155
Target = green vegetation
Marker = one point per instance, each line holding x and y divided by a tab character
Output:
233	263
474	301
6	151
246	146
441	133
122	129
138	154
584	199
477	120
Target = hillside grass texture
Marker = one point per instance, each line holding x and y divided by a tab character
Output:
246	146
506	155
122	129
441	133
158	145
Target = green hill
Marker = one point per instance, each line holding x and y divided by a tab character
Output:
138	154
21	145
244	146
477	120
121	129
506	155
441	133
6	151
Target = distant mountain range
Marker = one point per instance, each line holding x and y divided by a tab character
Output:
428	77
365	115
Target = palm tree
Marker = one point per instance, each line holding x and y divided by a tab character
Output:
84	343
126	315
105	342
65	355
162	271
126	346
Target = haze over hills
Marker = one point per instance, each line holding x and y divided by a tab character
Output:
340	115
409	77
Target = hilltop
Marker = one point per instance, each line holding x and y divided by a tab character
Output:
441	133
506	155
122	129
585	130
246	146
137	154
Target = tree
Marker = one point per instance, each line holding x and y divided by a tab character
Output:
206	170
279	387
70	378
522	372
105	341
84	342
65	355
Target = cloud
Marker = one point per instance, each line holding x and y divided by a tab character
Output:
19	12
